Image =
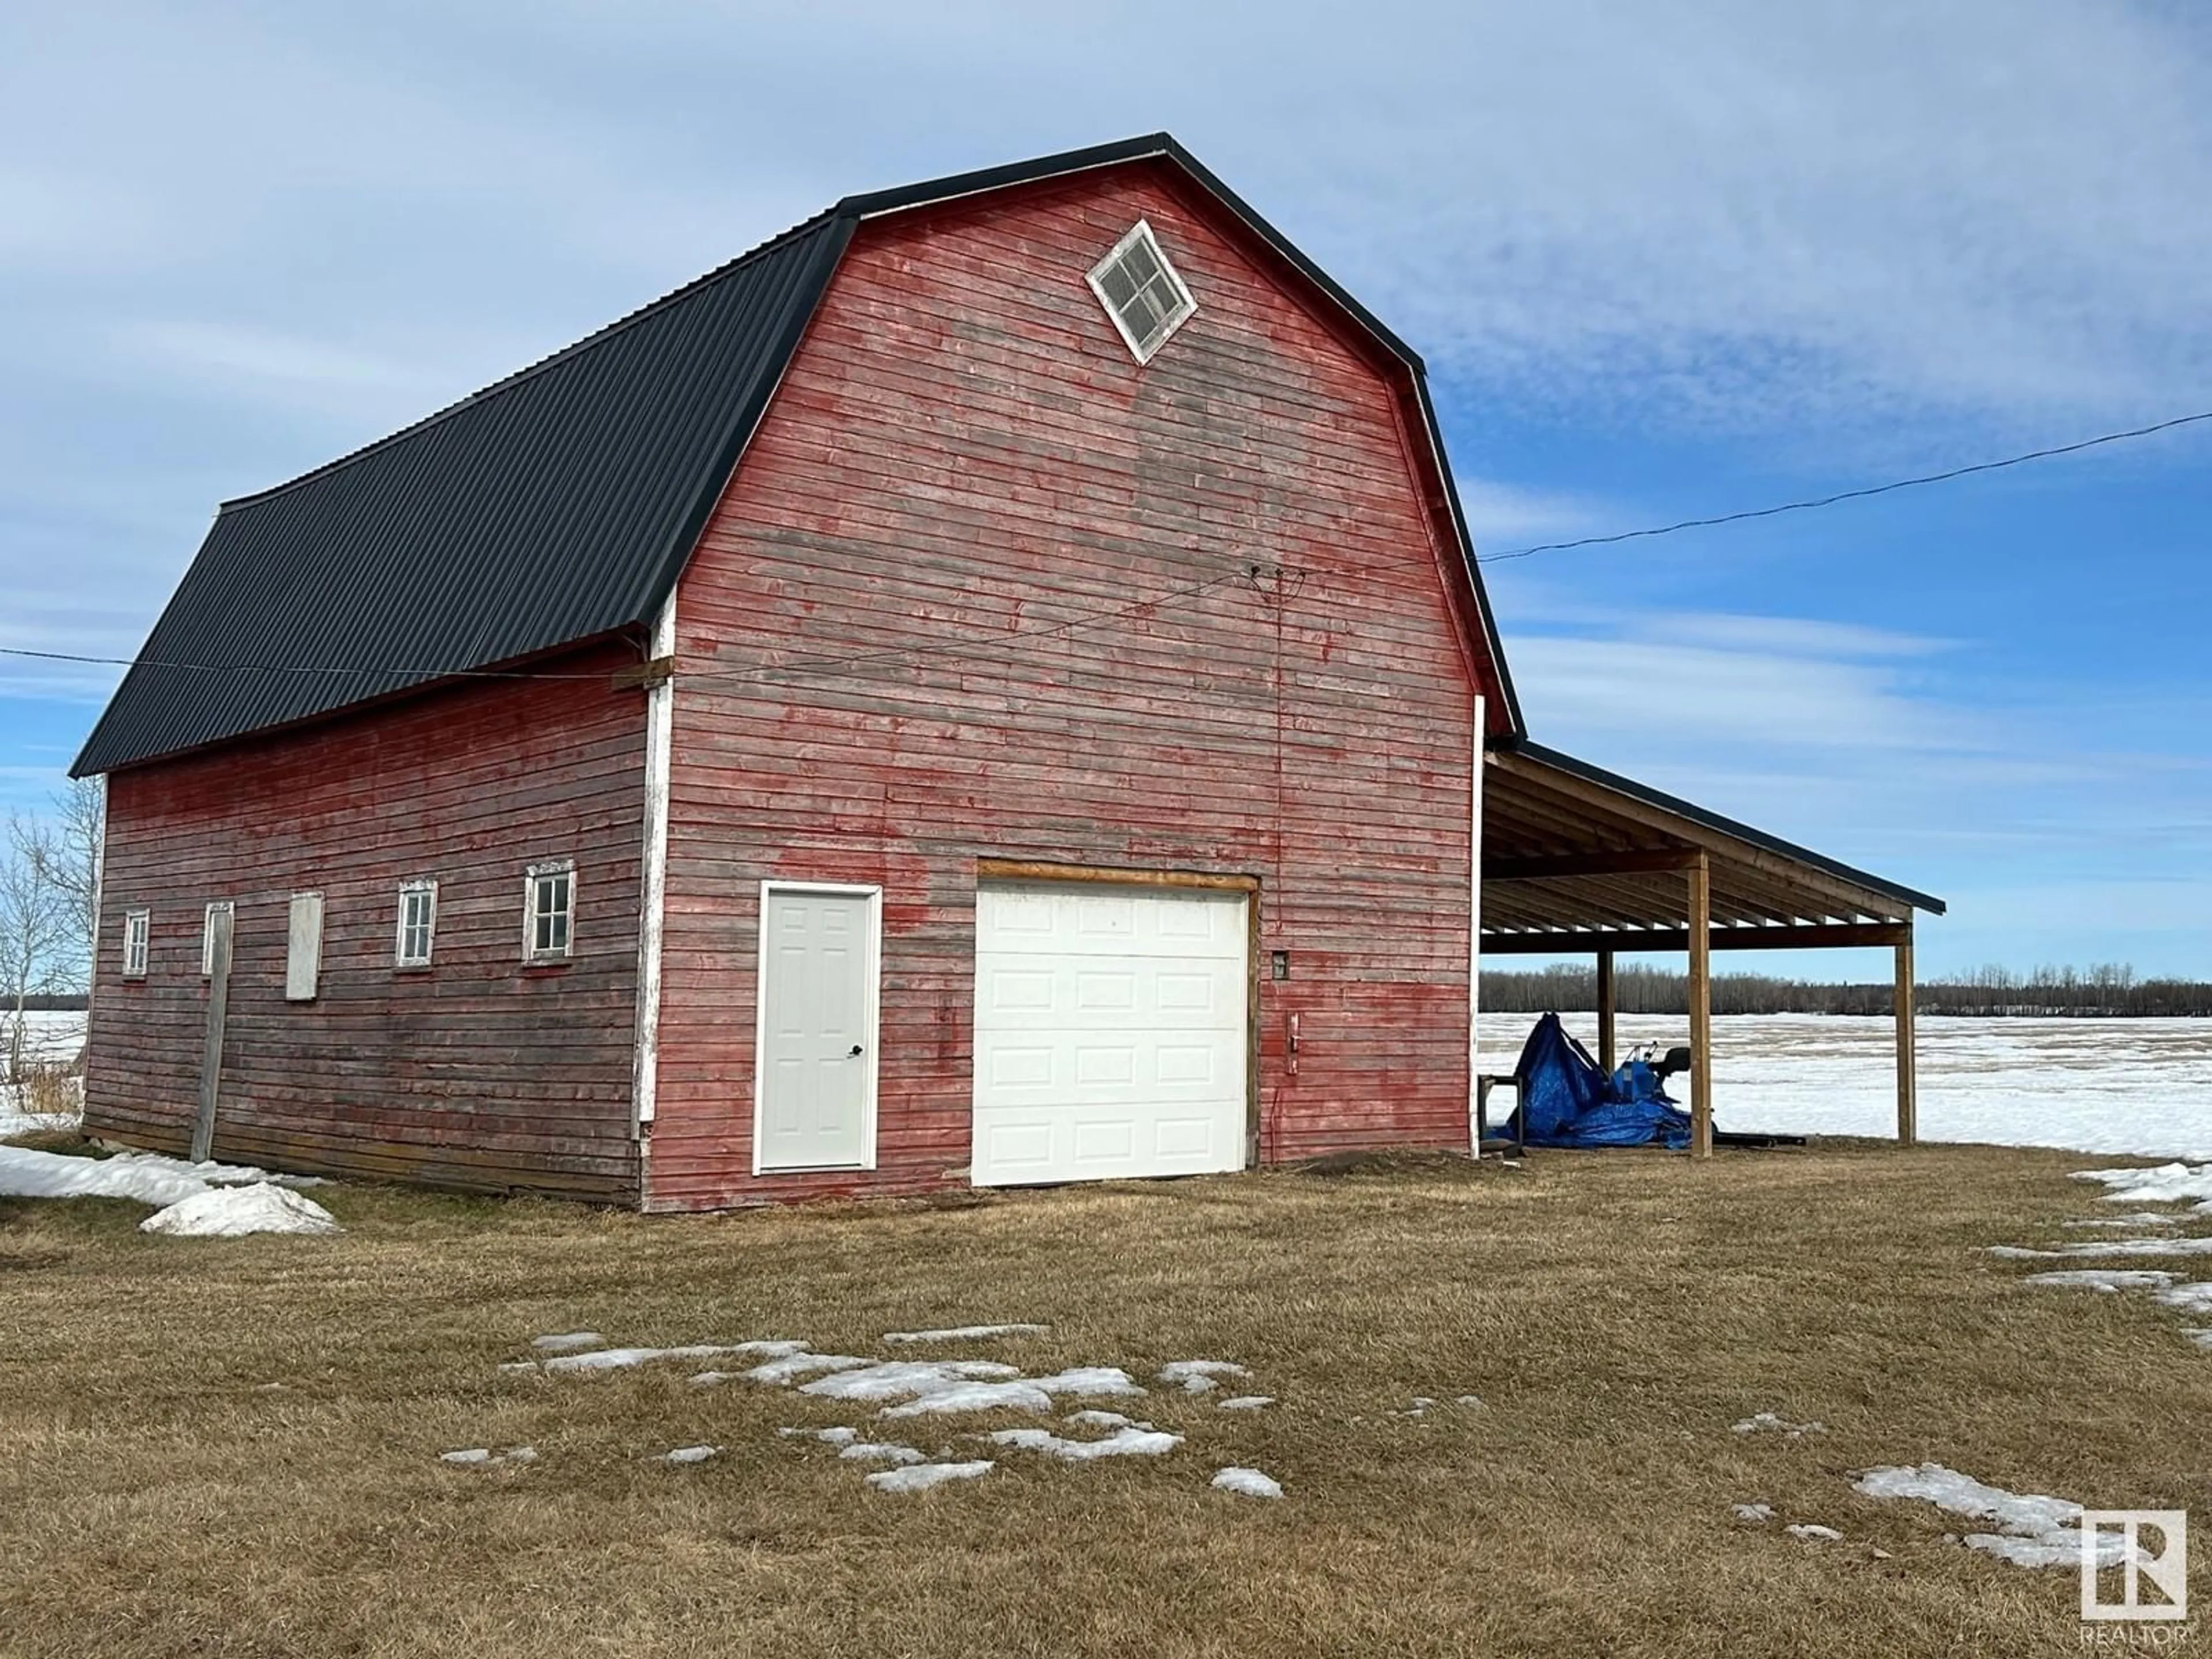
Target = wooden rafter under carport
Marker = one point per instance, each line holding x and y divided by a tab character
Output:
1578	859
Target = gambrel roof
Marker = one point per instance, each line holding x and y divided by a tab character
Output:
556	506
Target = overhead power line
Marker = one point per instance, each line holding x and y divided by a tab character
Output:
983	646
1807	506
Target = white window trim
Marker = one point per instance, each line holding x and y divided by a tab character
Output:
137	942
1184	311
872	1020
530	954
399	956
207	935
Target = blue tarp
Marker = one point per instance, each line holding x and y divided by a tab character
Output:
1566	1100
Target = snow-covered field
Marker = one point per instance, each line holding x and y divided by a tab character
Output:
50	1039
55	1037
2095	1086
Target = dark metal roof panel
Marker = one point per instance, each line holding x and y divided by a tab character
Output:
555	506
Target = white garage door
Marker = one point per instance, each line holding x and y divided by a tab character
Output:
1109	1032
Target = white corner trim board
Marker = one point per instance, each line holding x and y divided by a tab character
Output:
1474	934
653	901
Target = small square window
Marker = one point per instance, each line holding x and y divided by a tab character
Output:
221	908
137	925
549	911
1141	292
418	924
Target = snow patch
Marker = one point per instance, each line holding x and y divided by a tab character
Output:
235	1212
874	1451
2194	1298
2136	1218
1249	1483
975	1397
2095	1247
1246	1402
1089	1381
2168	1183
2102	1279
898	1379
1122	1443
1095	1419
1752	1512
481	1456
839	1437
920	1477
965	1332
691	1454
568	1341
610	1359
785	1368
1197	1375
1761	1422
1813	1533
147	1177
2039	1531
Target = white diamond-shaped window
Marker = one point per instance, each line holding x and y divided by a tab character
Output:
1141	292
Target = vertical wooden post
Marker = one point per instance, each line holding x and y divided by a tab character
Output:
1701	1009
1607	1055
218	947
1908	1104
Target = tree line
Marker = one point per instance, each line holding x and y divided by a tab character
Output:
2108	990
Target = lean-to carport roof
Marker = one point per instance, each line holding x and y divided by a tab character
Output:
560	504
1576	857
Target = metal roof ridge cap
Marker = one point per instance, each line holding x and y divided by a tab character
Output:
977	181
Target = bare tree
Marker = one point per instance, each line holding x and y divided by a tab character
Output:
79	824
35	923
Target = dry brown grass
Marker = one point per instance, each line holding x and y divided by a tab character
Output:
1617	1312
50	1089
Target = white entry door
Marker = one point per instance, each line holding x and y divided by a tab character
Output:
815	1082
1110	1032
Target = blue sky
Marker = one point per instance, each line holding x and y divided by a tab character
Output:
1664	259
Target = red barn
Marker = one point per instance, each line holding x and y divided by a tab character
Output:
988	687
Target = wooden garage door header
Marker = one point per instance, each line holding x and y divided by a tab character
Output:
1033	870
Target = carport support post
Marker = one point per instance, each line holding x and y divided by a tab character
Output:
1605	1055
1908	1106
1701	1009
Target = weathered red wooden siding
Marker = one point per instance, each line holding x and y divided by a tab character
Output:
475	1072
963	453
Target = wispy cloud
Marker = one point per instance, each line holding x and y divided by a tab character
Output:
1497	513
228	361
